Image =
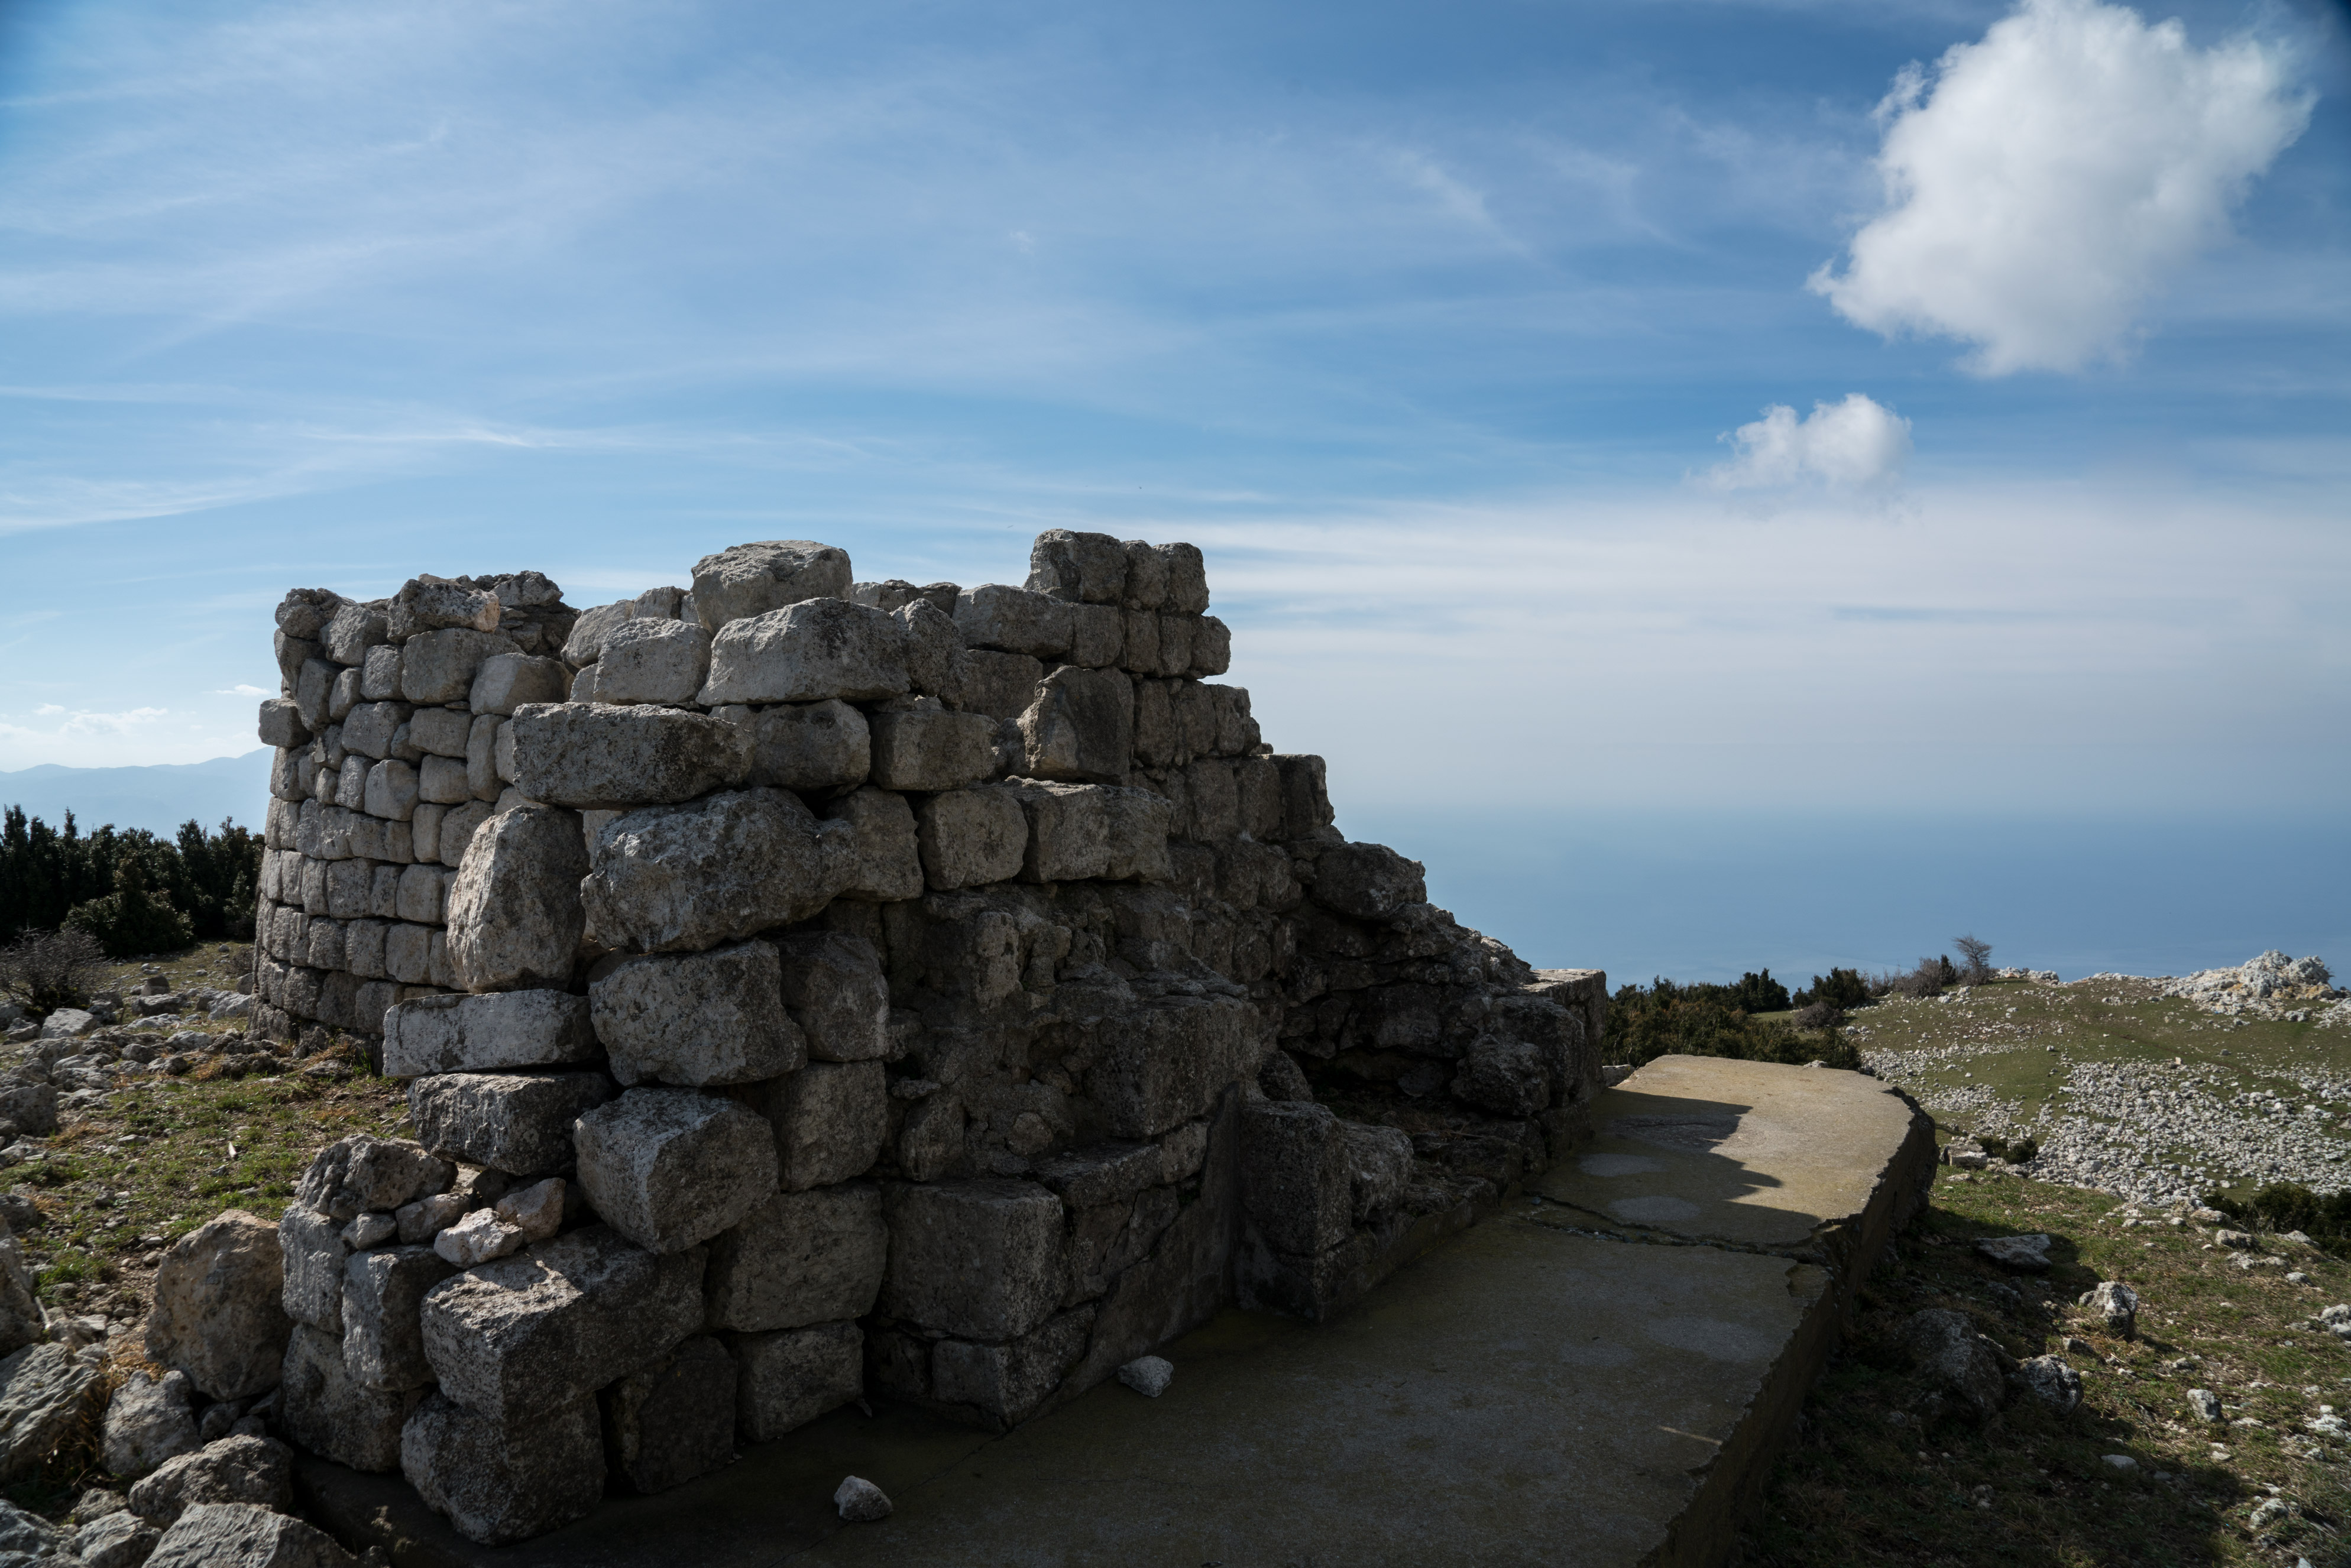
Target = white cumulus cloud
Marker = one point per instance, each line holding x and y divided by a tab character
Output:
1856	445
2041	183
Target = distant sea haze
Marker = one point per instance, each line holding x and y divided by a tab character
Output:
1705	896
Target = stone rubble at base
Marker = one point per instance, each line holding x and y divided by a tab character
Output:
811	988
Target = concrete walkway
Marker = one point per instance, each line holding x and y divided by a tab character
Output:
1599	1374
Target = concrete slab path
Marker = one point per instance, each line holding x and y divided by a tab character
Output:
1598	1375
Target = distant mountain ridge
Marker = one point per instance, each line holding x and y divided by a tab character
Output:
157	798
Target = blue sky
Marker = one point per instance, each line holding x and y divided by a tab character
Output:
1448	331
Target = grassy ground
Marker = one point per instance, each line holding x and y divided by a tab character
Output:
166	1154
1868	1483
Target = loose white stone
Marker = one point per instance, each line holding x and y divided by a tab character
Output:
1148	1376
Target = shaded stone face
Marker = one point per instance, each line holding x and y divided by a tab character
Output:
750	579
697	1017
808	652
669	1168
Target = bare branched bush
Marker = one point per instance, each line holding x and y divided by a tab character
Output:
1975	959
45	970
1818	1015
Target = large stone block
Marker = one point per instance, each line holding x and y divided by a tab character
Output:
219	1314
1080	727
313	1248
519	1122
324	1408
830	1118
384	1290
800	1257
697	1017
682	878
440	781
585	643
363	1174
380	675
876	860
1088	568
483	1033
596	758
1146	576
652	661
993	682
557	1322
930	749
433	604
810	746
390	790
968	838
808	651
1165	1062
754	578
984	1259
506	681
148	1421
1135	836
1365	882
834	987
1295	1183
1069	832
790	1377
1003	1384
438	667
672	1420
440	731
933	645
670	1169
458	826
281	724
501	1482
514	915
1013	619
246	1535
50	1394
314	686
423	895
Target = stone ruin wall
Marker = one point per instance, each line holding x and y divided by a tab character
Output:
811	988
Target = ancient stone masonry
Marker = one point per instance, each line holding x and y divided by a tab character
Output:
813	988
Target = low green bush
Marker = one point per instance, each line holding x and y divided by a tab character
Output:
1667	1019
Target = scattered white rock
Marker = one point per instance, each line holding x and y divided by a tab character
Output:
2204	1403
1148	1376
860	1500
478	1237
2025	1254
2122	1462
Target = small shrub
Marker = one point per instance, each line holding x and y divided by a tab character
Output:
50	969
1762	994
1665	1017
131	920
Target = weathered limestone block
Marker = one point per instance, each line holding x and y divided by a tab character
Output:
439	731
1005	1382
235	1470
1135	836
1109	1237
423	896
384	1290
313	1249
148	1421
585	643
438	667
1097	636
876	860
790	1377
928	749
800	1257
506	681
408	953
440	781
429	604
1139	648
458	826
652	661
1305	797
1088	568
991	681
479	1033
242	1535
670	1169
1013	619
1212	648
218	1315
803	745
1503	1077
1146	576
1295	1177
363	1174
324	1408
48	1393
933	645
1081	726
754	578
514	915
968	838
554	1323
369	728
481	756
501	1482
113	1541
590	756
808	651
1379	1169
281	724
313	687
672	1420
1069	832
829	1119
1175	644
697	1017
681	878
519	1122
833	985
380	675
982	1259
1165	1062
1367	881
